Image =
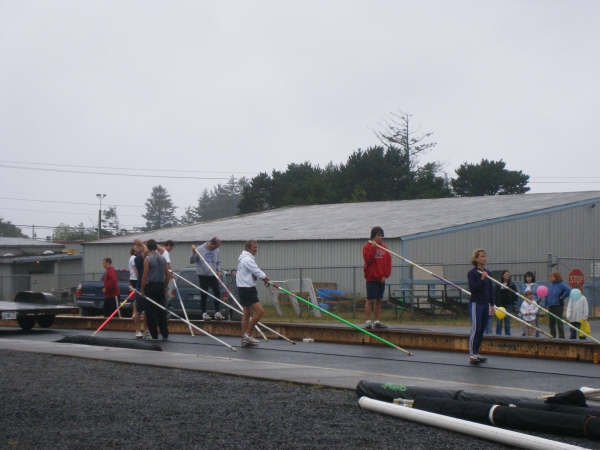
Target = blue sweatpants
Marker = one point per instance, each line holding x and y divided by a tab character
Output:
479	316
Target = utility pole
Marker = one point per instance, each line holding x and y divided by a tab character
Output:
100	197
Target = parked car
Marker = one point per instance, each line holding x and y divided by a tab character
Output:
91	299
191	298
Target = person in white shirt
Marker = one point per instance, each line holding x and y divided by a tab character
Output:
247	274
577	310
529	312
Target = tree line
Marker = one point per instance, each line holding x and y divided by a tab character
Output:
386	171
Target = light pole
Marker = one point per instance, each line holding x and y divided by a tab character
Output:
100	197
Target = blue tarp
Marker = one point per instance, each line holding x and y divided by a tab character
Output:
329	294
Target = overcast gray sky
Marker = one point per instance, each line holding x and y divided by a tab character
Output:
209	89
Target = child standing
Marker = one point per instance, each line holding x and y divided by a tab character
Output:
529	310
577	310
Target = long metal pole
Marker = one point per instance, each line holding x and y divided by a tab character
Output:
323	310
206	333
231	307
226	288
182	305
439	277
118	308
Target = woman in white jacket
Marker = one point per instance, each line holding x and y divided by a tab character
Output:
577	310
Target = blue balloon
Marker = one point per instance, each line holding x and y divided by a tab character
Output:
575	294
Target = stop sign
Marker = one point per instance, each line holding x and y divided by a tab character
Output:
576	278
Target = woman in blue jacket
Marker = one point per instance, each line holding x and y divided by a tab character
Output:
558	291
482	301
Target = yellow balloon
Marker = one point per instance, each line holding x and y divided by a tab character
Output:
500	313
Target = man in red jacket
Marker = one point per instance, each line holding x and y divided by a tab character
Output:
111	287
378	267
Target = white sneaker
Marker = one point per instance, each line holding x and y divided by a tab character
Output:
368	325
139	334
379	325
219	316
206	316
252	340
246	342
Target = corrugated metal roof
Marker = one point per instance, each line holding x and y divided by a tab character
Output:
401	218
22	242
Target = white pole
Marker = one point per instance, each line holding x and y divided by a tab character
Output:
182	305
226	288
231	307
479	430
206	333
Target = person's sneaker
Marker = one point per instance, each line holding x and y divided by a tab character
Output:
474	360
139	334
206	316
147	334
481	359
219	316
379	325
252	340
246	342
368	325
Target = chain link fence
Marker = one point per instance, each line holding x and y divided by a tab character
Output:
342	288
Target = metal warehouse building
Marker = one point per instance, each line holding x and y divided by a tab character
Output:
538	232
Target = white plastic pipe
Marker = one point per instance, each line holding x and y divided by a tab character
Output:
479	430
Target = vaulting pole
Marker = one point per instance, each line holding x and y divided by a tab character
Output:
226	288
231	307
323	310
463	290
118	308
182	305
206	333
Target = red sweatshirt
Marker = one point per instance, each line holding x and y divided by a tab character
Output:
378	263
111	283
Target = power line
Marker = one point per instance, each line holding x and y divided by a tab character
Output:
63	201
79	172
129	169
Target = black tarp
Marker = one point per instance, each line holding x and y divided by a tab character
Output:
559	417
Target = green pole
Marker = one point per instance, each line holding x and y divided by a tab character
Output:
323	310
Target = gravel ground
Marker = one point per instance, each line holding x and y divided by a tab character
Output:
69	403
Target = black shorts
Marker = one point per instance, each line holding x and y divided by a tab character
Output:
375	290
248	296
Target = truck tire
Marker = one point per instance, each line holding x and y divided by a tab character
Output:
45	321
26	323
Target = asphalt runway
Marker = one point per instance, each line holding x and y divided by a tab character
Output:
324	365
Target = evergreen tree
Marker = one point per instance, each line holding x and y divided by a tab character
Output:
256	195
64	232
398	133
160	211
488	178
7	229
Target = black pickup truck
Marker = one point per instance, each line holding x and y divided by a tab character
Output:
91	299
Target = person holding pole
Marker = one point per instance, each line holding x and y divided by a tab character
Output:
506	297
558	292
377	267
206	278
111	287
481	304
154	280
139	302
247	274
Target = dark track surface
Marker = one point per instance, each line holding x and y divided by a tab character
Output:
128	404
